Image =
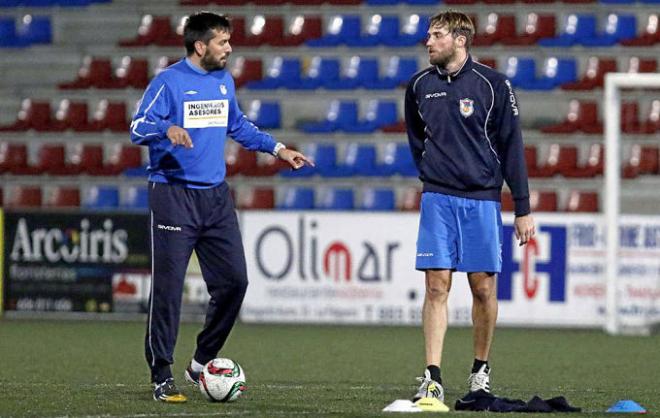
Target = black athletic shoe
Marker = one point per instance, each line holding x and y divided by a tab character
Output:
167	392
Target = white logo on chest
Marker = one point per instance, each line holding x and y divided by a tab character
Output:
467	107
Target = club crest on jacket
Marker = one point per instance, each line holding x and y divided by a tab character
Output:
467	107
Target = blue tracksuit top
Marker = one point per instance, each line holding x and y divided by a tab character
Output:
464	133
204	103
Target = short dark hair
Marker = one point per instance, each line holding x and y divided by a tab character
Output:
457	23
199	27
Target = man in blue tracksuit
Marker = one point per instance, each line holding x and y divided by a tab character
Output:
464	134
184	117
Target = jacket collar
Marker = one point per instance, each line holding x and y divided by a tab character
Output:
467	66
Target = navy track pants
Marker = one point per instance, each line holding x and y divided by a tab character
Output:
183	219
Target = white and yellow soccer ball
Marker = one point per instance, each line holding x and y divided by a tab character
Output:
222	380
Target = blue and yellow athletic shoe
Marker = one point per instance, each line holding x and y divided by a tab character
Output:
167	392
191	376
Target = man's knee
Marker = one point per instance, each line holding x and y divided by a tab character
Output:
437	286
483	292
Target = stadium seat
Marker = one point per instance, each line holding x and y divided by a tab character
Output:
642	65
13	157
23	197
111	116
34	30
651	123
650	35
643	160
132	72
62	197
84	159
398	72
70	115
520	70
594	76
560	159
541	201
411	199
301	28
582	201
174	38
239	160
331	198
531	159
338	31
282	72
498	27
397	159
378	199
94	72
266	166
582	116
151	29
101	197
380	30
238	30
264	30
536	27
506	201
576	27
257	198
135	197
245	70
619	27
320	71
297	198
630	118
165	61
325	160
361	160
413	31
8	36
379	113
50	160
340	114
556	71
593	166
32	115
121	158
264	114
361	72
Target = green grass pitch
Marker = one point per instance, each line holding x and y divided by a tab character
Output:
90	369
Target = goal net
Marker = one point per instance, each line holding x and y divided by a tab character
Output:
632	264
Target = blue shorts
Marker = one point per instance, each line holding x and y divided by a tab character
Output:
460	234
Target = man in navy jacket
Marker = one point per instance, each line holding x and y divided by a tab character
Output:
463	128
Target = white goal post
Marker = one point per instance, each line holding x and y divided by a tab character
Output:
614	82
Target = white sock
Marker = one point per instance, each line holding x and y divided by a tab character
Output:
196	367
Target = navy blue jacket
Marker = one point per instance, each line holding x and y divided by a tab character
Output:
464	133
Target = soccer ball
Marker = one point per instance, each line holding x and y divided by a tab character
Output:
222	380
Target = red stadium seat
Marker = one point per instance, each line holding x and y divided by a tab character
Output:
643	160
411	199
560	159
650	35
32	115
536	27
24	197
238	32
543	200
71	115
164	62
13	157
531	159
152	28
582	115
94	72
594	76
245	70
266	165
593	166
110	116
642	65
507	202
122	157
264	30
132	72
175	37
257	198
63	197
651	124
301	28
630	118
582	201
498	27
238	159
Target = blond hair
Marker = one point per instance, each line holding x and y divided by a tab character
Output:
457	23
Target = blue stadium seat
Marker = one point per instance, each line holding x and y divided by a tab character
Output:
361	72
361	160
340	115
520	70
378	199
283	72
335	199
34	30
576	28
136	197
265	114
398	159
340	30
413	32
379	113
556	71
399	71
321	160
8	32
321	70
101	197
297	198
618	28
380	30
